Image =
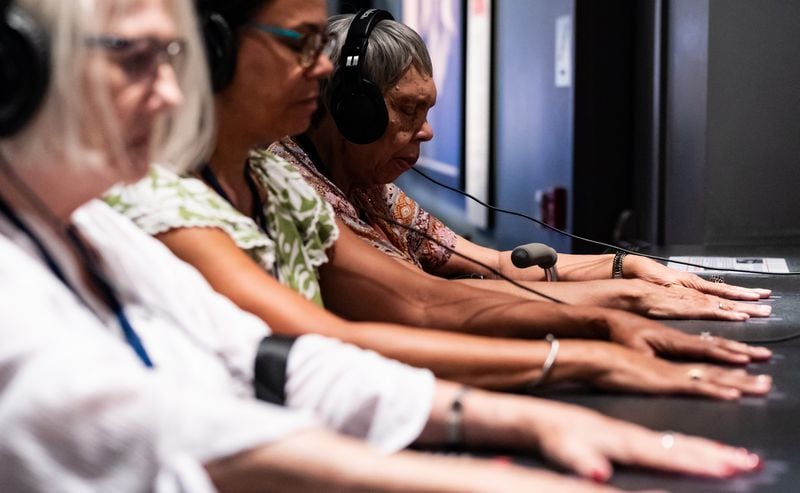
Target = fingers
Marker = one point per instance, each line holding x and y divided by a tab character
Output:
581	458
720	344
738	379
733	310
726	291
652	375
686	455
714	348
705	347
714	382
675	301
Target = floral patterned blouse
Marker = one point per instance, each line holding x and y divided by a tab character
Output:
360	212
299	226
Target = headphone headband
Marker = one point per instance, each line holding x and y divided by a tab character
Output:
354	50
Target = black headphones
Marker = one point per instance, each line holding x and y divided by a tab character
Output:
356	103
24	68
220	45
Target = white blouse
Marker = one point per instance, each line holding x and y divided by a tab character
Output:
80	412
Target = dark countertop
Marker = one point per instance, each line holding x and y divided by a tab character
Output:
769	426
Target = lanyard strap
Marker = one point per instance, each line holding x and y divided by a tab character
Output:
131	337
257	209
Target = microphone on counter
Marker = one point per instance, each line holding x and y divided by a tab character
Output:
525	256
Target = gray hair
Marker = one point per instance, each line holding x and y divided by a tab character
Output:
78	97
393	48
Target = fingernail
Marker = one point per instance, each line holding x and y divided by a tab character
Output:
599	476
728	471
503	460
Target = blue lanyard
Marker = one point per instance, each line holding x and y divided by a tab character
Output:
131	337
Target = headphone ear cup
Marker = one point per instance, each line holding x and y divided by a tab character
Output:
220	50
360	115
24	69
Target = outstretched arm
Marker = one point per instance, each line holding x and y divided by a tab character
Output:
493	363
634	295
577	439
594	267
363	284
316	461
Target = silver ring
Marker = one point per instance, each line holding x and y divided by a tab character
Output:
722	306
706	336
667	440
695	374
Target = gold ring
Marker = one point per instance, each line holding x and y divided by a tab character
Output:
667	440
706	336
695	374
722	306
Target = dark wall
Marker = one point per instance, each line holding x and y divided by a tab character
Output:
686	87
604	117
733	122
753	122
534	118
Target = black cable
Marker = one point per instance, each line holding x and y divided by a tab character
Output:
467	258
587	240
776	340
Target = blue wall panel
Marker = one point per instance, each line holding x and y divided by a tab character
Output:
533	135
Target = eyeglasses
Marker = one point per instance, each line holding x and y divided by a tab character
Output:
141	57
308	46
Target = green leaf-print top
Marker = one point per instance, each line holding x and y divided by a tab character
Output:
300	226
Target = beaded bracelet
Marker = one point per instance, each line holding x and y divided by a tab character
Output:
616	266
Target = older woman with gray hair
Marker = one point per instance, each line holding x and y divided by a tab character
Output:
370	133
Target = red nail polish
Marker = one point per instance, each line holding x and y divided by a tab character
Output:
599	476
503	460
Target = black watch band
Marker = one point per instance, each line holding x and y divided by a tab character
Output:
269	378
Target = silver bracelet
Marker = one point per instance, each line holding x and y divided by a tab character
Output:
548	362
455	418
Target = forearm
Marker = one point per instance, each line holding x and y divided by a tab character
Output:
310	461
490	363
619	294
570	268
456	306
360	283
318	461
